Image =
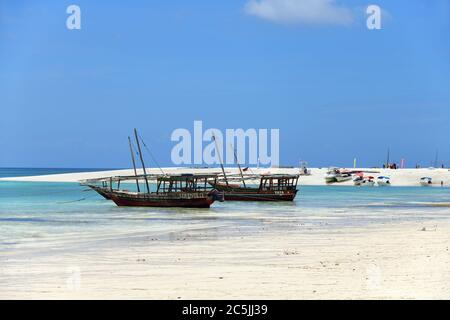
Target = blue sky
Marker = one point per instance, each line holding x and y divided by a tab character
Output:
336	90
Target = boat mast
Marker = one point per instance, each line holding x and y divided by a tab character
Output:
142	159
239	166
220	159
388	154
134	164
436	158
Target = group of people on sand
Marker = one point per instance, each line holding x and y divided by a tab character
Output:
390	166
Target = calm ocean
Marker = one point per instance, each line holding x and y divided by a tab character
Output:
23	172
35	214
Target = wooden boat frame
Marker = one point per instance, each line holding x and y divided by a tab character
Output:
272	187
184	190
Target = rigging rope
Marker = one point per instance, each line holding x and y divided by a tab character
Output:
151	154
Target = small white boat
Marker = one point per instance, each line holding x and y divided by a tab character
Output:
357	180
361	181
426	181
331	174
330	177
343	177
383	181
336	175
367	183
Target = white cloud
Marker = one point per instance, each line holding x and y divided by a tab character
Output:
300	11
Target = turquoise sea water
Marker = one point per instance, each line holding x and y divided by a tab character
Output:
23	172
62	215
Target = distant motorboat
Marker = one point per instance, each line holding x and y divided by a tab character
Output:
383	181
361	181
357	181
426	181
368	183
336	175
330	177
343	177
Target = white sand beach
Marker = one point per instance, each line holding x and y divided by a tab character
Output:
399	177
396	261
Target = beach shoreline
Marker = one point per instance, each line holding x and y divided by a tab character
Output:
398	177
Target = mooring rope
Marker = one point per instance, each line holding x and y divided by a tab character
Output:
78	200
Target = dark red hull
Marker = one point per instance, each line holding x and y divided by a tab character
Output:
259	197
180	200
254	194
164	203
101	191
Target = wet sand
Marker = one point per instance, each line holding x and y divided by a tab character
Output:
403	260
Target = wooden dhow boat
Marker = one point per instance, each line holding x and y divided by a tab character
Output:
181	190
272	187
184	190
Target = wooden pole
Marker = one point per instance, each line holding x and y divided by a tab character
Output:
388	155
142	159
436	158
220	159
134	164
239	166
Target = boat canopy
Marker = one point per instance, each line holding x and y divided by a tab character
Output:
185	183
279	182
165	183
154	177
186	177
278	176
